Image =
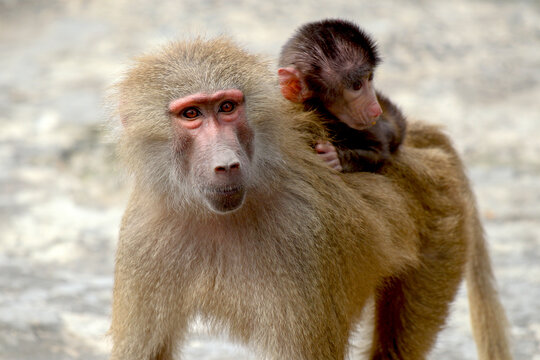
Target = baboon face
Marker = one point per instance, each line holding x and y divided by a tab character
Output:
213	141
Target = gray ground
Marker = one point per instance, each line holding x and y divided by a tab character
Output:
472	65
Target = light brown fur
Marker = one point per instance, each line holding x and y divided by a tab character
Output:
288	273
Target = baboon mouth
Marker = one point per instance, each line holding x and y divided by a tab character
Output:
227	190
226	198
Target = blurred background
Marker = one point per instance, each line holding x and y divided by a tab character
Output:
473	66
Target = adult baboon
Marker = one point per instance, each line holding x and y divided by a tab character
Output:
235	219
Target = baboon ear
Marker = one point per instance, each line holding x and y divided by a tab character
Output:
292	85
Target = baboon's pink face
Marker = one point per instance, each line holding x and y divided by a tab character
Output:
215	141
357	106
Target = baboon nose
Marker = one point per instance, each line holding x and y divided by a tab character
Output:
232	167
375	111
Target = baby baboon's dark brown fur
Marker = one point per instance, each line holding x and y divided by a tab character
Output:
328	66
288	271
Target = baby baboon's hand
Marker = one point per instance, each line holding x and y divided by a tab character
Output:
328	153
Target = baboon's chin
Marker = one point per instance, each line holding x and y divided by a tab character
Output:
226	198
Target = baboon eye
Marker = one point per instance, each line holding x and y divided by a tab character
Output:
357	85
191	113
370	76
227	106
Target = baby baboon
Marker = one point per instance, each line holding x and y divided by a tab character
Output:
329	66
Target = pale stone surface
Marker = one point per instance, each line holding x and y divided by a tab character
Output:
473	66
